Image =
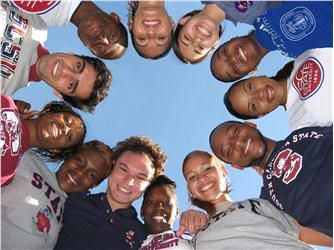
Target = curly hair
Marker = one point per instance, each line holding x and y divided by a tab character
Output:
132	8
59	155
177	31
100	90
145	145
207	206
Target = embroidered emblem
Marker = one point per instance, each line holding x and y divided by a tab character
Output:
10	132
42	222
35	6
130	238
243	6
297	23
308	78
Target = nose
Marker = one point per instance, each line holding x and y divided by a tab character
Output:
129	180
238	142
159	205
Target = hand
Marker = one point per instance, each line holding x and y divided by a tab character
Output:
23	109
192	221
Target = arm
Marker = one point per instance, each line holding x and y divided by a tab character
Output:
192	221
311	236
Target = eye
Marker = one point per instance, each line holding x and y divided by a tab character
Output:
79	65
70	85
79	160
99	49
149	202
249	86
92	175
166	204
253	107
123	169
191	178
207	169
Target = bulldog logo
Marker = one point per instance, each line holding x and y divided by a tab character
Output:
308	78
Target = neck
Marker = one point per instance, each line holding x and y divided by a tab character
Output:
85	9
262	51
144	4
113	204
284	85
214	12
31	124
263	160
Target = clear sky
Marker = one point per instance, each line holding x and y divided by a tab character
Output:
175	104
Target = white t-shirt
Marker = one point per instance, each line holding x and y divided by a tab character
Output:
21	33
32	207
309	101
167	240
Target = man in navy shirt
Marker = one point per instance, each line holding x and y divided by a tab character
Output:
297	172
291	28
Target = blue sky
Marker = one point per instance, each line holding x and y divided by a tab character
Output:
175	104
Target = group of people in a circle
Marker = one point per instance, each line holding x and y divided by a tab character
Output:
41	209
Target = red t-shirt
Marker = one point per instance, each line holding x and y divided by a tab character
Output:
14	141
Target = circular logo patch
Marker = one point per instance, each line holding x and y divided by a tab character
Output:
308	78
35	7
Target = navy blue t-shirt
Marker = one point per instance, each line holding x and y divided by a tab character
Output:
295	27
298	178
90	223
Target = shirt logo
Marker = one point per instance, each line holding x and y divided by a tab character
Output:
10	132
35	6
242	6
297	23
42	222
308	78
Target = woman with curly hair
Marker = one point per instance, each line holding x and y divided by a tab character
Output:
151	28
55	132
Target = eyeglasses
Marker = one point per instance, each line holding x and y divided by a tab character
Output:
165	204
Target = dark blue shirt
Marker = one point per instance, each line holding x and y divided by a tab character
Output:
298	178
90	223
295	27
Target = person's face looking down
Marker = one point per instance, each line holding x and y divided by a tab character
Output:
237	143
198	36
152	30
256	96
68	74
235	59
59	130
85	169
102	34
205	178
159	209
130	176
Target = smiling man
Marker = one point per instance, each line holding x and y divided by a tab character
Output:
296	170
291	28
80	80
103	34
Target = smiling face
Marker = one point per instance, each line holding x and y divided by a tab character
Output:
58	130
152	30
68	74
205	178
256	96
130	176
85	169
198	36
102	34
159	209
238	143
236	58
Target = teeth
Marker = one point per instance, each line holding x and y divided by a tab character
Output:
242	55
55	69
71	179
203	31
206	187
247	146
123	190
270	94
151	23
55	130
159	218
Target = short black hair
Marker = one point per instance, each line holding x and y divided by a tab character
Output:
177	31
100	90
161	180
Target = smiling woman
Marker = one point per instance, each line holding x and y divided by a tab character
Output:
55	133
